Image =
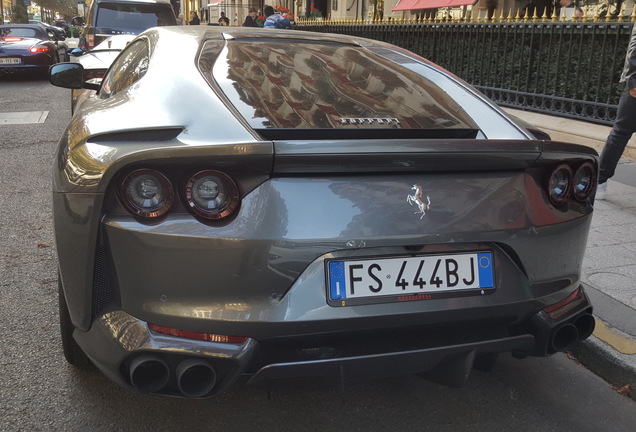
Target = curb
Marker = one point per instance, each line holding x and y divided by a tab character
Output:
614	367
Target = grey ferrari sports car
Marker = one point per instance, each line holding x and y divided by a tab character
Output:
236	204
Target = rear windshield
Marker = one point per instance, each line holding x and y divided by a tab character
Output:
306	85
19	32
116	18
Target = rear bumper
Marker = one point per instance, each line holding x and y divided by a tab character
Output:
117	342
12	69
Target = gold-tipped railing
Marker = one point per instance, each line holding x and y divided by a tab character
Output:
590	14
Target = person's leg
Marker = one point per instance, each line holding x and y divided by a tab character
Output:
624	127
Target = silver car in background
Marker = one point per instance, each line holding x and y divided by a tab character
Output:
235	203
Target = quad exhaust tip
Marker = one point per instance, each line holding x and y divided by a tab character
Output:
564	337
195	377
585	325
149	374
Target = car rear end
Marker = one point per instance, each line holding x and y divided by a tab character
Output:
123	17
383	220
24	54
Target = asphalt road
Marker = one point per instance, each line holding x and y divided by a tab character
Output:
40	392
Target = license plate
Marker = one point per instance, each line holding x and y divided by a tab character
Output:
10	61
382	280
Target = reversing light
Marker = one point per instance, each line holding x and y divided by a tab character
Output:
211	194
584	181
146	193
196	335
561	308
559	185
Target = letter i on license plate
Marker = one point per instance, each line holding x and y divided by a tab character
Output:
409	278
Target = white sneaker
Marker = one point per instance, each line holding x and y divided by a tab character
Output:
601	191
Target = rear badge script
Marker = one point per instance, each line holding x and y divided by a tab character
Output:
369	120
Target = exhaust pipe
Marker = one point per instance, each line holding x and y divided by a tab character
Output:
585	325
149	374
564	337
195	377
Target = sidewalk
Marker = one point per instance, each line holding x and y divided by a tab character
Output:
609	266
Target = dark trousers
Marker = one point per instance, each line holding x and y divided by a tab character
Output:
624	127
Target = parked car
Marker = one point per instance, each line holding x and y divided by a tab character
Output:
29	48
113	17
268	204
59	33
64	25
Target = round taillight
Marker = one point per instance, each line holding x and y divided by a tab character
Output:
212	194
560	184
584	181
146	193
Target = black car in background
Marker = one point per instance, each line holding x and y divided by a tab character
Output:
64	26
59	32
105	18
29	48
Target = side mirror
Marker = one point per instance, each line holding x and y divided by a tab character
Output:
76	52
70	76
78	21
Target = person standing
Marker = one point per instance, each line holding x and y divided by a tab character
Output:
223	20
194	19
625	123
274	20
250	19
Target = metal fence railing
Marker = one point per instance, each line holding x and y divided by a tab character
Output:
570	69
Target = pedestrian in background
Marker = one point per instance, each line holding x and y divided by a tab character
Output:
625	123
250	19
223	20
194	18
274	20
270	17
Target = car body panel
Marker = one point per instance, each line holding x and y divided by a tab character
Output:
96	62
313	191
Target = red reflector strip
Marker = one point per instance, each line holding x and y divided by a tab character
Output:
564	306
196	335
94	73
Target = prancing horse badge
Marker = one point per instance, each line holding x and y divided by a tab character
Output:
417	198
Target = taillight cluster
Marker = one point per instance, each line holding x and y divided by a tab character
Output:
39	49
564	183
196	335
208	194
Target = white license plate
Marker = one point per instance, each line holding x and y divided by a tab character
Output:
409	278
10	61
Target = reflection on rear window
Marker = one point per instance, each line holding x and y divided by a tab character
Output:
300	84
19	32
132	18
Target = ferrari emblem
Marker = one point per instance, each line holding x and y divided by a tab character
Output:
417	198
